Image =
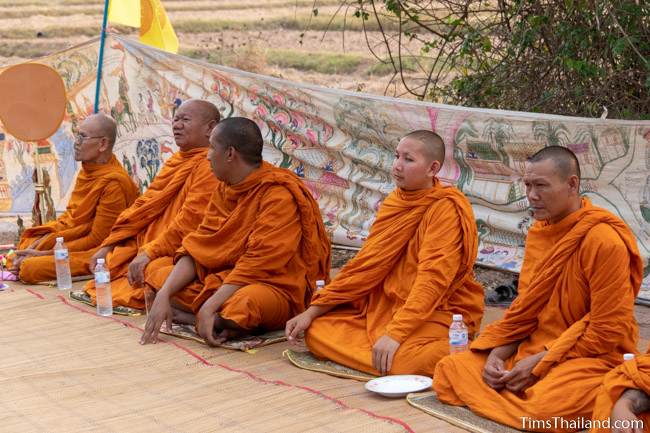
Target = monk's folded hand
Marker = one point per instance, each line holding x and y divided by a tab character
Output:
99	254
623	415
494	371
135	274
521	376
382	354
161	311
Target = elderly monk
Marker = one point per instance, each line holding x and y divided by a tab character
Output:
540	366
389	309
102	190
172	207
253	262
623	403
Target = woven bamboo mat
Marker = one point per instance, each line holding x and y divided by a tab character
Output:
66	369
456	415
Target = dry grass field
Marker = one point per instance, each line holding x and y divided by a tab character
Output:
282	38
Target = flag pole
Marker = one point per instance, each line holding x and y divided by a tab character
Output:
100	60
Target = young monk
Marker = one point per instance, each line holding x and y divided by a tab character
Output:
102	190
623	398
572	321
253	262
172	207
389	309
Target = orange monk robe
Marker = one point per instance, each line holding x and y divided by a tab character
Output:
157	222
634	374
265	234
100	193
413	273
577	288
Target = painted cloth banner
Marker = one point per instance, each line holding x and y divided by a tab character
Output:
341	143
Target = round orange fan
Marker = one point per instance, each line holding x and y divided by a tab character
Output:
32	101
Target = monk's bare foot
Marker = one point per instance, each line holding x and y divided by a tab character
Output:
230	334
183	317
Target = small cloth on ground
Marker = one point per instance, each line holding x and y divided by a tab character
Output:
8	276
52	283
459	416
307	361
84	298
246	343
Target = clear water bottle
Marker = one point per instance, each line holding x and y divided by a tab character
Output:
458	337
62	263
103	289
320	284
628	357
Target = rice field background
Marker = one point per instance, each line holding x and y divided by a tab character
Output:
282	38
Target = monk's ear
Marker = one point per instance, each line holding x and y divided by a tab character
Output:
103	144
210	127
574	184
434	168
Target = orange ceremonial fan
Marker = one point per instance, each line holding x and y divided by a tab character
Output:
33	101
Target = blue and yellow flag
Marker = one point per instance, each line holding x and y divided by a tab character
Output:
155	28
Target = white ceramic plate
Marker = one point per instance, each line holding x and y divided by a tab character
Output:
399	385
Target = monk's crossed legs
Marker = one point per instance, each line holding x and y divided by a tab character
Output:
341	336
567	391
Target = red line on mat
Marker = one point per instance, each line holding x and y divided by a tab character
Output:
38	295
252	376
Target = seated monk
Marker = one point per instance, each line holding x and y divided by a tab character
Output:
172	207
539	367
623	399
253	262
389	309
102	190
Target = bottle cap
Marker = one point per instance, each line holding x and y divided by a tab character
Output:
101	261
320	282
457	317
628	357
59	239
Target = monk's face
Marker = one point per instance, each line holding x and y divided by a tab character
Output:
191	127
89	143
413	169
220	157
551	195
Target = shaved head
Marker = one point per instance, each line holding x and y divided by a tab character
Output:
207	110
564	159
243	135
433	145
102	125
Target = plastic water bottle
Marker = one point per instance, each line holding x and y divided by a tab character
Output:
62	263
458	337
320	284
103	289
628	357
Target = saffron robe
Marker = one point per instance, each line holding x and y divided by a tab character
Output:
578	283
413	273
265	234
634	374
157	222
100	193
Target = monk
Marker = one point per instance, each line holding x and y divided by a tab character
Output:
172	207
253	262
102	190
623	403
540	366
389	309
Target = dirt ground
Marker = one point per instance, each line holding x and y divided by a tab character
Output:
251	35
